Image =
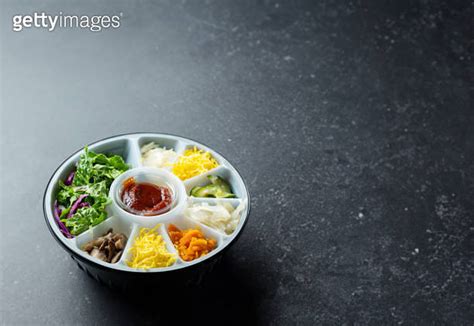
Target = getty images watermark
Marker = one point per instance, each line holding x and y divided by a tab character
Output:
52	22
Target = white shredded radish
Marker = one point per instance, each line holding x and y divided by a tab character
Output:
221	217
157	157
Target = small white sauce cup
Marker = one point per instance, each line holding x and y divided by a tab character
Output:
159	177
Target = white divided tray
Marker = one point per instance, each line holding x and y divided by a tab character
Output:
128	146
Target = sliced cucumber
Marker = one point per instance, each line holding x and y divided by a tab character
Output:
218	188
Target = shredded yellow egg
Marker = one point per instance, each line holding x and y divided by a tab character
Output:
149	250
193	162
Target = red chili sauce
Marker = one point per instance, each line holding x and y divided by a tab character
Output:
145	198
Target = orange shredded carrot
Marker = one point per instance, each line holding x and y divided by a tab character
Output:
190	243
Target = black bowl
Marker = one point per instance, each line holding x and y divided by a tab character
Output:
119	275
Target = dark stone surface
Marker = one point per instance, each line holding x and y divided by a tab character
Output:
352	124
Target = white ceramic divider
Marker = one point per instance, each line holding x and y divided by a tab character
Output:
133	153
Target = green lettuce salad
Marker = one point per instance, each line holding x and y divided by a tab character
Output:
82	197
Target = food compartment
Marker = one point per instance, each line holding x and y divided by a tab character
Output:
193	161
106	241
122	147
159	152
146	195
132	200
150	249
221	215
222	172
194	250
161	141
204	149
81	188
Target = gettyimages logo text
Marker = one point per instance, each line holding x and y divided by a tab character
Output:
95	23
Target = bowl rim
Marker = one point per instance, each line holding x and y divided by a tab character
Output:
138	272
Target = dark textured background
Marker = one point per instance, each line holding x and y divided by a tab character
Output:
352	123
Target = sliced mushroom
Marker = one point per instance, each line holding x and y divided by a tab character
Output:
98	242
111	251
108	247
120	243
98	254
88	247
104	244
116	257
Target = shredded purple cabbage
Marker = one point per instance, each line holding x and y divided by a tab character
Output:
62	227
69	179
76	204
83	204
